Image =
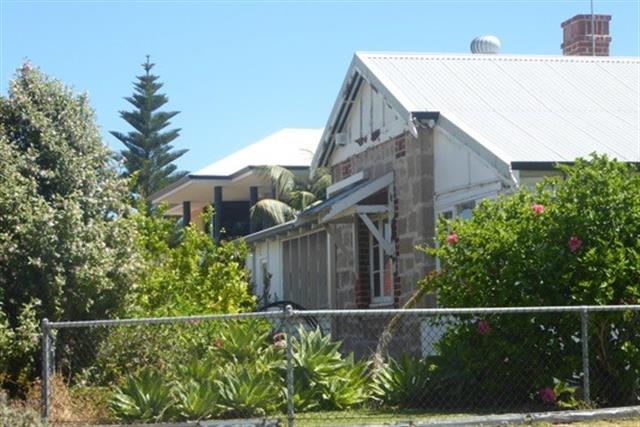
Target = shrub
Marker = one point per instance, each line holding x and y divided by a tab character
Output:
18	347
403	383
145	398
575	241
243	375
16	416
65	239
324	378
189	276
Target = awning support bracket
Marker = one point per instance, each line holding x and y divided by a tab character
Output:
384	244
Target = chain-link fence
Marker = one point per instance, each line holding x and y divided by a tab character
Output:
333	367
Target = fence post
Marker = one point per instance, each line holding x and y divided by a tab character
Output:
46	370
586	385
289	331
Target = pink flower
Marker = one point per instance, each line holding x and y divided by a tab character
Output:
217	343
194	322
574	243
547	395
452	239
483	327
537	208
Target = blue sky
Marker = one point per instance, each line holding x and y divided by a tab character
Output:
240	70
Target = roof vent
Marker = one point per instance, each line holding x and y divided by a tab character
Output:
342	139
486	45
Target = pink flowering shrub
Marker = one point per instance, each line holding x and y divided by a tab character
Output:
574	241
547	395
483	327
538	209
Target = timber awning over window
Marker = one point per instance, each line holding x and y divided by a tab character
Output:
345	204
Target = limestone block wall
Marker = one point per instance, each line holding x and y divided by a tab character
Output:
411	161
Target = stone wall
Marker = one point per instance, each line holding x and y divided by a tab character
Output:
411	161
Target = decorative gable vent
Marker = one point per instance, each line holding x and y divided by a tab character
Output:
342	139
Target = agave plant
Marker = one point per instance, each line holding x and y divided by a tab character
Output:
247	393
291	194
145	397
324	378
400	382
197	398
243	341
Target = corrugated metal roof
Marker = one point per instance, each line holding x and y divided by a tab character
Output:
287	147
522	108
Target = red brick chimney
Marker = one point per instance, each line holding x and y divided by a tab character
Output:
577	35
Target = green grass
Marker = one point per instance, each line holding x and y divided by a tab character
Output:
370	416
367	416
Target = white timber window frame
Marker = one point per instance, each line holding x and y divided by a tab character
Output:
380	265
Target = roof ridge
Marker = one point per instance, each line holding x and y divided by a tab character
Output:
499	57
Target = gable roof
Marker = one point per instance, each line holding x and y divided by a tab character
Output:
520	108
286	147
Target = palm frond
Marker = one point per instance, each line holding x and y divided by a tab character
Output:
269	212
282	180
301	199
321	180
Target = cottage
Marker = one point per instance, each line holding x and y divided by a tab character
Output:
415	136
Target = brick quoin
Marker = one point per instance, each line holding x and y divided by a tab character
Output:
397	288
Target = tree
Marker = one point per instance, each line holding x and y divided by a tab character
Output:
292	194
149	155
65	241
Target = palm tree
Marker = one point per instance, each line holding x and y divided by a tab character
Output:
291	194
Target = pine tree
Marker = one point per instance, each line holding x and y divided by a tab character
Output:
148	155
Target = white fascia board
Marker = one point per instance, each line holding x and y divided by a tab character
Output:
372	209
340	185
175	190
364	192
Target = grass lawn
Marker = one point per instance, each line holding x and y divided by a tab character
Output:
364	417
635	422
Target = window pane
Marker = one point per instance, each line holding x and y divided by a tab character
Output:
376	258
388	279
376	285
464	209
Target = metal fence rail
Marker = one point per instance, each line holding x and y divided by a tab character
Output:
323	366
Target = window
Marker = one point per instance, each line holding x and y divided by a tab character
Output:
380	266
463	210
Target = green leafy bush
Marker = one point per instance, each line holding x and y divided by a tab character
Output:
18	347
574	241
65	239
12	416
403	383
189	276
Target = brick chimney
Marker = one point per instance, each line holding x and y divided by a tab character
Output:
577	35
